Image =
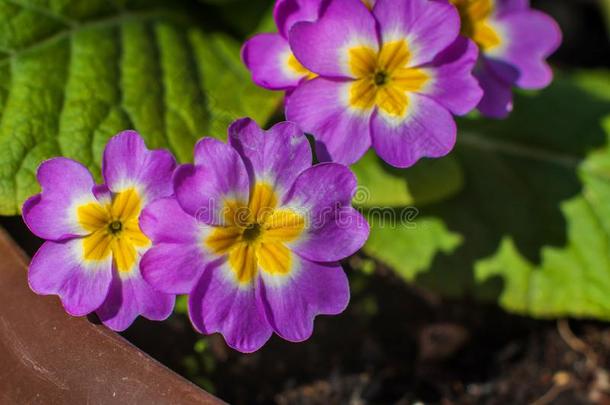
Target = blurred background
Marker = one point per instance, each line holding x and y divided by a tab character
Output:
440	312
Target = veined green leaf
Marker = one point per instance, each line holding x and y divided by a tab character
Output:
570	280
75	72
533	215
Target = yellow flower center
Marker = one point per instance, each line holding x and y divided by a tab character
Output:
474	15
255	235
113	229
383	78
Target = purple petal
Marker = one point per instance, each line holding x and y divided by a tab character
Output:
312	289
130	297
428	26
323	185
218	304
339	234
128	163
289	12
334	229
318	107
102	193
175	261
173	268
428	130
452	84
322	46
267	56
165	221
66	185
510	6
530	36
59	269
218	174
497	101
276	156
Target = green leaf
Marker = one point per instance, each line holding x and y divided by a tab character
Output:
381	185
75	72
406	243
533	215
572	280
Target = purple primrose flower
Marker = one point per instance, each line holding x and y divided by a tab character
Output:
389	77
268	55
514	42
91	257
254	234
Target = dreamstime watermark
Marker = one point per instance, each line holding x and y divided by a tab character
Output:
313	217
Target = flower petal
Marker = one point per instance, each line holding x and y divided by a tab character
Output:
218	304
334	230
219	175
509	6
497	101
173	268
292	302
273	66
530	37
102	193
128	163
323	46
288	12
428	130
342	134
428	26
342	233
129	297
59	269
452	84
53	214
165	221
323	185
175	261
276	156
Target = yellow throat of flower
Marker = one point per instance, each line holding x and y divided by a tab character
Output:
255	235
382	78
474	15
113	229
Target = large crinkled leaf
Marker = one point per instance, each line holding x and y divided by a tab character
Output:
573	279
533	215
75	72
